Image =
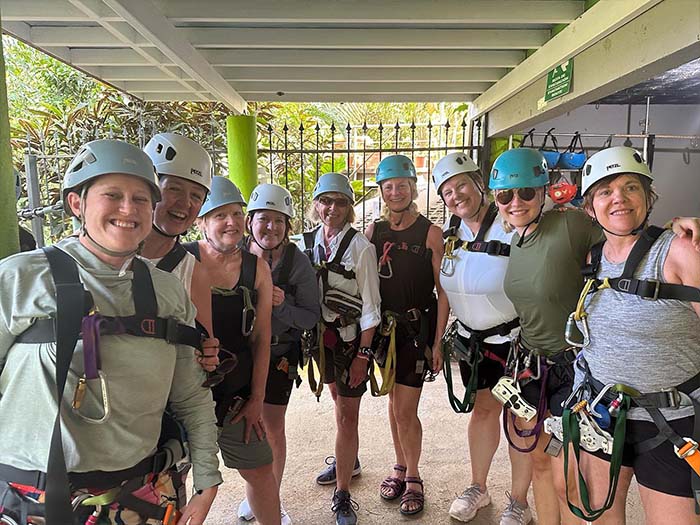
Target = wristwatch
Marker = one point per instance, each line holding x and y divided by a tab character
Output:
364	352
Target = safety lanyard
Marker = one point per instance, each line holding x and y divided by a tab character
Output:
388	371
572	435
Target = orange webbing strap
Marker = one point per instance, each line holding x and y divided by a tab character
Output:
690	453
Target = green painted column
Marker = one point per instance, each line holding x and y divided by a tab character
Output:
9	234
242	146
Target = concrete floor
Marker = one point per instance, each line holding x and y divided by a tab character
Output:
444	465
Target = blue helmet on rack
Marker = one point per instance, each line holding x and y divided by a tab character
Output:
395	167
519	168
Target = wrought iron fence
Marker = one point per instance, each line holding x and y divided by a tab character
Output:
293	157
296	157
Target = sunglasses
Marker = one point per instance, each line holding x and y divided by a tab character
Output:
339	202
524	194
226	366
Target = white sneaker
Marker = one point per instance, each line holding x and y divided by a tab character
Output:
245	512
516	513
465	507
284	517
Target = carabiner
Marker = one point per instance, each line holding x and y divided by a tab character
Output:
78	399
569	331
385	329
385	275
447	267
248	309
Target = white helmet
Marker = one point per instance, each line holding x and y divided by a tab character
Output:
451	165
613	161
271	197
175	155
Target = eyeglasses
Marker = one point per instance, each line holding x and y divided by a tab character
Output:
226	366
329	201
524	194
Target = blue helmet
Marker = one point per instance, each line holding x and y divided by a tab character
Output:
519	168
333	183
223	192
395	167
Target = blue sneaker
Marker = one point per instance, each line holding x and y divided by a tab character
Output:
327	475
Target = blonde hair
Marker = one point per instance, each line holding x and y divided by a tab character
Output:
412	208
313	216
508	227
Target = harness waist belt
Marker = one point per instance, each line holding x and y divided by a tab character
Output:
94	480
502	329
43	330
666	398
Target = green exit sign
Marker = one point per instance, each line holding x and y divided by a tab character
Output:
559	80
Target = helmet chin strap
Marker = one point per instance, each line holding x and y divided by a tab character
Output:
161	232
229	251
481	205
635	231
527	226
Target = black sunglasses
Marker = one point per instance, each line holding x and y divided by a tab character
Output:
524	194
226	366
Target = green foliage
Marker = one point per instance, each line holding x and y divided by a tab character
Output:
54	109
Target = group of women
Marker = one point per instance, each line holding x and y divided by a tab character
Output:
136	414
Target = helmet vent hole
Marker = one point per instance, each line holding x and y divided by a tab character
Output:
637	157
159	148
170	153
78	166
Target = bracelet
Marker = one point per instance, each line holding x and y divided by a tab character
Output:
363	357
365	351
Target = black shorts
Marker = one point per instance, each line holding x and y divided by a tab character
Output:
560	382
658	469
489	370
411	362
279	386
339	355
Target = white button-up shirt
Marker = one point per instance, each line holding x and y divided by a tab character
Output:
361	258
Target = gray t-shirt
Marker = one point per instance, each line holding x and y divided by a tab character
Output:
648	345
142	374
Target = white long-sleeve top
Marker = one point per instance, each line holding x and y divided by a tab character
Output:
361	258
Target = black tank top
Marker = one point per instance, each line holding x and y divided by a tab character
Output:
412	282
227	311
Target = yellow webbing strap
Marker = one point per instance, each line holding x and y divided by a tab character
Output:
317	388
580	313
388	372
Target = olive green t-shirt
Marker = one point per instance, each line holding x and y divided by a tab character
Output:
544	279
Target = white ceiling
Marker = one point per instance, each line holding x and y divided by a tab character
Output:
291	50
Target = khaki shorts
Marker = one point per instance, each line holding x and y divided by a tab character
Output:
236	453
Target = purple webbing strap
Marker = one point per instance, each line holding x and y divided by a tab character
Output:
541	411
91	344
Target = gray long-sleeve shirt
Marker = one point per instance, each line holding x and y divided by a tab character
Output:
142	374
300	310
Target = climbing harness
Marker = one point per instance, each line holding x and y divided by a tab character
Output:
384	355
472	351
478	245
382	232
585	423
75	311
347	306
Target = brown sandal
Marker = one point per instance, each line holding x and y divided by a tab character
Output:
412	496
392	488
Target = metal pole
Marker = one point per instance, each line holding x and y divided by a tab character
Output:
32	173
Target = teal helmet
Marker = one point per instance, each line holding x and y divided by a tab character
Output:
395	167
519	168
223	192
333	183
107	156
